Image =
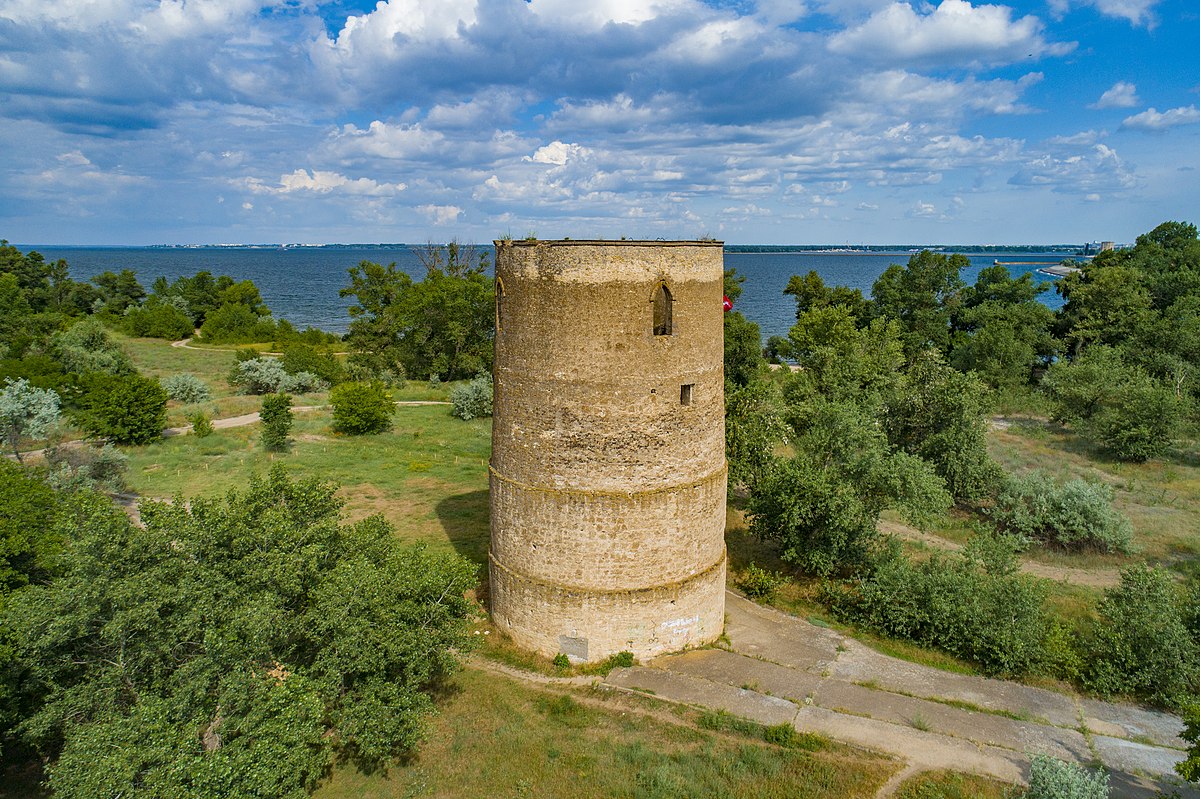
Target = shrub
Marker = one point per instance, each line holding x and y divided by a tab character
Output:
301	358
259	375
1050	778
360	408
561	661
87	347
302	383
473	399
235	323
129	409
26	412
1073	515
276	415
621	660
186	388
159	320
100	468
201	425
758	583
1141	645
1139	423
954	603
1190	769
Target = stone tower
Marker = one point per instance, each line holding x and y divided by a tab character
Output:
608	446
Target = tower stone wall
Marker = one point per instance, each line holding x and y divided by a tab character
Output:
608	446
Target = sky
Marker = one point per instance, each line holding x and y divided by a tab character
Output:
753	121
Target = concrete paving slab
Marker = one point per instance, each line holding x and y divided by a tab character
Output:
1130	721
770	635
730	668
972	725
859	663
768	710
926	750
1119	754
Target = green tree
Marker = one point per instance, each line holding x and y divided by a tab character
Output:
441	326
1105	304
921	296
811	293
743	340
234	647
26	412
1189	769
276	416
1141	645
129	409
754	426
118	291
87	347
939	414
822	505
362	408
839	360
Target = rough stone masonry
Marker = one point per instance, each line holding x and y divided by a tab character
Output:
608	469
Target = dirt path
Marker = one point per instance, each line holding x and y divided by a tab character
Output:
186	344
1104	577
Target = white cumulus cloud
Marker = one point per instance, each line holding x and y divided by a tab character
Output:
1138	12
954	31
440	214
323	182
557	153
1153	119
1121	95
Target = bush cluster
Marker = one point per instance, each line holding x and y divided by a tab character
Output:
473	399
262	375
276	416
128	409
186	388
158	320
300	359
361	408
758	583
100	468
977	611
1050	778
1076	515
1142	645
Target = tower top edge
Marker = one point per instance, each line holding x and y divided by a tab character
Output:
604	243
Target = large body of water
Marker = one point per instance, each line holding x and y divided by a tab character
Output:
301	284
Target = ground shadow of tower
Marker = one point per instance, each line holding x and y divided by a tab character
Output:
608	456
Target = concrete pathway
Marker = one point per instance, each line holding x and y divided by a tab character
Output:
779	669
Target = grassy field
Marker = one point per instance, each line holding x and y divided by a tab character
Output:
497	737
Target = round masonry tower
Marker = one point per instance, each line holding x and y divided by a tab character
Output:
608	446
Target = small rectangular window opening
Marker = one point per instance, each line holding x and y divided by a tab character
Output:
685	393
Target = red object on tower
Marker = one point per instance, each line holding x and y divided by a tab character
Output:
728	303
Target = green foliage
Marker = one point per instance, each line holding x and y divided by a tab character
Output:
1050	778
202	425
276	416
299	358
938	414
822	506
1189	769
811	293
1076	515
1115	405
264	375
561	661
1002	332
87	347
442	325
361	408
75	468
129	409
743	350
26	412
760	584
621	660
474	399
186	388
921	296
28	540
235	647
754	426
1141	645
118	292
962	604
158	320
841	361
235	323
